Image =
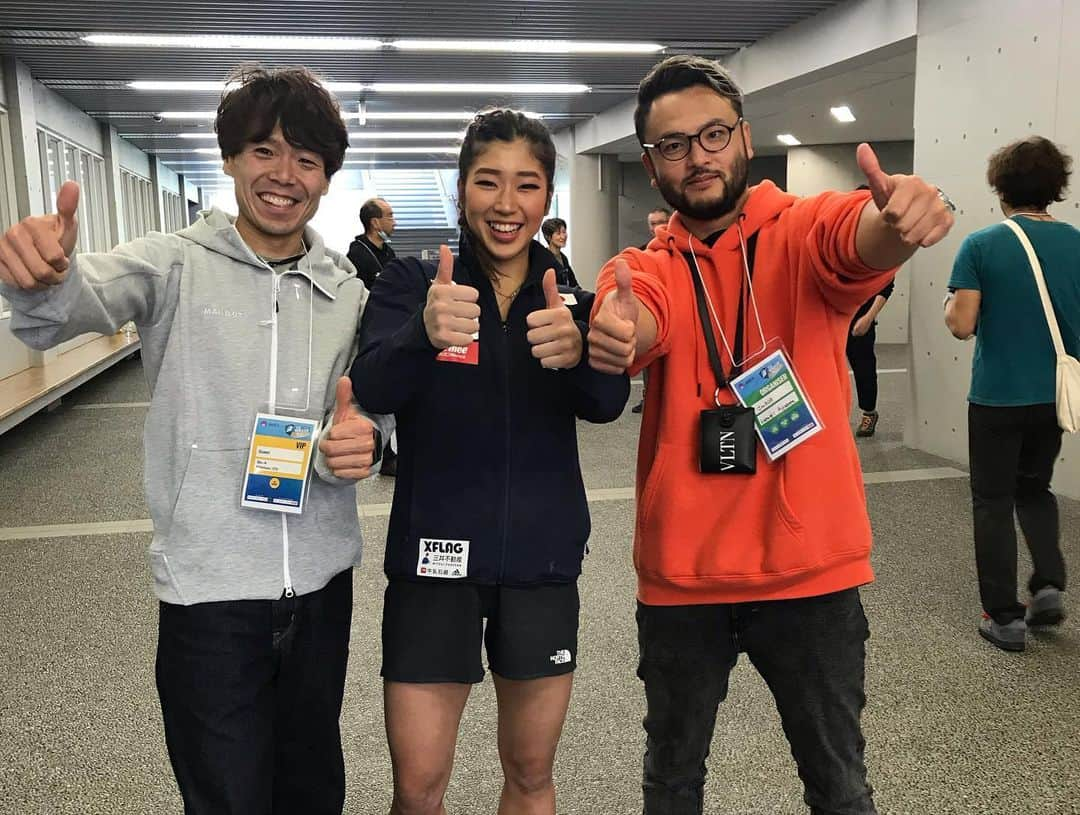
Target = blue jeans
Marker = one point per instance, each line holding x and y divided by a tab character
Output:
810	652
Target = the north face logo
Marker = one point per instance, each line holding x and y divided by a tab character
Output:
560	657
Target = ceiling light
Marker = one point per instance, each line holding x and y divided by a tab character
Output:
382	115
530	46
788	139
525	88
405	134
248	42
842	114
450	151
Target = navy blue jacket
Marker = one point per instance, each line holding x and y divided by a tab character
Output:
488	452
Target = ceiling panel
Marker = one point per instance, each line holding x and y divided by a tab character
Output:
46	36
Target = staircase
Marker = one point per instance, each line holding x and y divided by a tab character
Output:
425	213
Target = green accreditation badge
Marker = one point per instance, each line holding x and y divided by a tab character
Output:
783	415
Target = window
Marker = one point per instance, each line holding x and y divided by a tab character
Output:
174	211
63	161
138	201
8	208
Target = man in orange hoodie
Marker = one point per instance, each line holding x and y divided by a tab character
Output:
769	562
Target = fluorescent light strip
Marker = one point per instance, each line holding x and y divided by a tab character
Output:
526	88
788	139
213	151
842	113
279	43
479	87
248	42
450	151
372	116
403	135
530	46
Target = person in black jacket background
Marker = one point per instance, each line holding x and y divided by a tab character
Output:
485	365
371	250
554	232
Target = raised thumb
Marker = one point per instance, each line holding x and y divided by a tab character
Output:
343	404
876	178
445	274
625	303
551	290
67	202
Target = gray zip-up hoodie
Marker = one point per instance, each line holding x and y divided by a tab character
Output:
218	326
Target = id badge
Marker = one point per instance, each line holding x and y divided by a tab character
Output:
783	415
279	462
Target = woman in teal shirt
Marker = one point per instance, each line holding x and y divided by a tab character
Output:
1013	433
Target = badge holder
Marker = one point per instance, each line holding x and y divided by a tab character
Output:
784	415
279	462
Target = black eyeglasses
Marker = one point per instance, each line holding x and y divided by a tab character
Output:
713	137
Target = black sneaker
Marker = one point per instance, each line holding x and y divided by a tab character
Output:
867	426
640	406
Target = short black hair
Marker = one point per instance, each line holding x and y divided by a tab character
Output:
371	210
678	73
665	210
258	99
551	226
1031	172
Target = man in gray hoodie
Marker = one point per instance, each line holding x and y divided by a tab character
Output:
236	317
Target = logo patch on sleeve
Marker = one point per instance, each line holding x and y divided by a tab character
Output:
443	558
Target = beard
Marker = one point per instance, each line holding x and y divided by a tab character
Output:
712	208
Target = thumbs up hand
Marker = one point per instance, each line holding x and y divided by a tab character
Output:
34	254
554	336
349	446
613	331
908	205
451	315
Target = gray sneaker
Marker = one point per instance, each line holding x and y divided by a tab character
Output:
1009	637
1047	607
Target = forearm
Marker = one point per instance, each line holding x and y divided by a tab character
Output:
879	245
876	307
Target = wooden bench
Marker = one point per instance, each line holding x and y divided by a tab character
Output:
25	393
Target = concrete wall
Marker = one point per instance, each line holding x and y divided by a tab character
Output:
57	114
989	72
815	168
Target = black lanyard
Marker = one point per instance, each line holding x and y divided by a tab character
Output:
722	380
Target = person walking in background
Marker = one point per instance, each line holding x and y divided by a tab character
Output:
860	354
554	232
1013	432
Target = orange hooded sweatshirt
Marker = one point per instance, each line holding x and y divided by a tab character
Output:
799	527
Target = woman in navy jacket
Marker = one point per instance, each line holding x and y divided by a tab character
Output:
485	366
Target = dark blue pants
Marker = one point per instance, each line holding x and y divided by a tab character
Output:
251	695
811	653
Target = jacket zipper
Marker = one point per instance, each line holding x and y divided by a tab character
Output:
285	575
506	481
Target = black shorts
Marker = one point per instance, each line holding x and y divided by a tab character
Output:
432	631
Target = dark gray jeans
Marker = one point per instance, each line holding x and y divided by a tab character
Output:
811	653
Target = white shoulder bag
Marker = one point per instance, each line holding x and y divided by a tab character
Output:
1068	368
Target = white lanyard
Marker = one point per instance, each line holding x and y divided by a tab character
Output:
753	302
